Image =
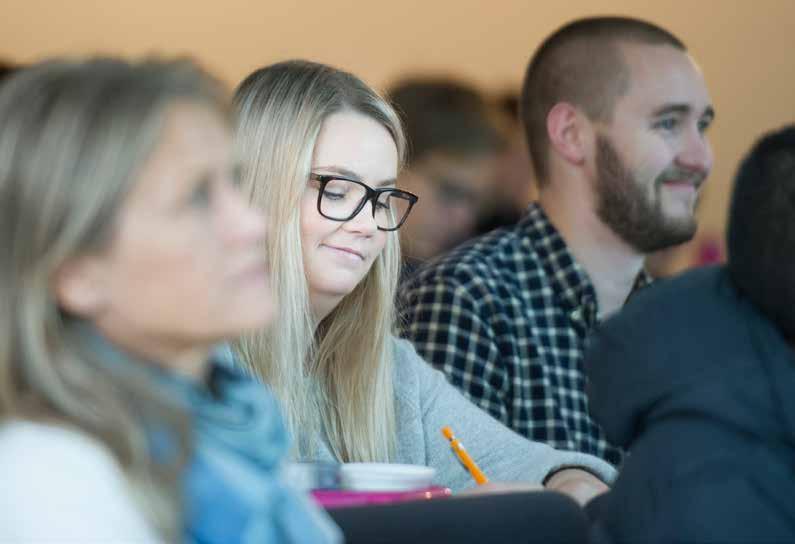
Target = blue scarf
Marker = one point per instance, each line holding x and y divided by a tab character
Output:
233	489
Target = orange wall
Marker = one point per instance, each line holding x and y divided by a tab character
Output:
746	48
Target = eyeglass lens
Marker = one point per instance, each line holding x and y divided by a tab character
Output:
341	198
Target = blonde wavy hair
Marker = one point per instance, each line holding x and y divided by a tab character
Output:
74	136
334	380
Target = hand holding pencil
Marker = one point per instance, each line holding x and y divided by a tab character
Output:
578	484
484	486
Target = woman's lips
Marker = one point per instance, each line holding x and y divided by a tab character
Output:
346	250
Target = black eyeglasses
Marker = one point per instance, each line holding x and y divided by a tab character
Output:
341	199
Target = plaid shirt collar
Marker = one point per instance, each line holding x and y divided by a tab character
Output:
570	282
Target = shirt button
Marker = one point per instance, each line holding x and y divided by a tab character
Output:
576	315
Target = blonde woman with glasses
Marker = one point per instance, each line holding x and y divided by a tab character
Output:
120	224
321	152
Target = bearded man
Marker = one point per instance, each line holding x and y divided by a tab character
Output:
615	112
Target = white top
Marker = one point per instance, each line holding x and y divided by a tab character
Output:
59	485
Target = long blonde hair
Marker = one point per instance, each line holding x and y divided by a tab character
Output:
334	381
74	136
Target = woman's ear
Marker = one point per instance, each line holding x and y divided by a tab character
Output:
79	285
569	132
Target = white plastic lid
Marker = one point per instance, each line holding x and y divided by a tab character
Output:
385	476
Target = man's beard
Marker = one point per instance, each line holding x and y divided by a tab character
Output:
624	206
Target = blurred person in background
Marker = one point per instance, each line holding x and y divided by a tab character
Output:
7	69
128	252
514	188
453	149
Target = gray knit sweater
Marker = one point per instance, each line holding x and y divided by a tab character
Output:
426	402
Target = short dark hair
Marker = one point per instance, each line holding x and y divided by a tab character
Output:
580	63
444	115
761	229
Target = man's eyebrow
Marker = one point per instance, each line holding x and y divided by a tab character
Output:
666	109
683	109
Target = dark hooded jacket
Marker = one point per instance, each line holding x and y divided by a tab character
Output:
700	388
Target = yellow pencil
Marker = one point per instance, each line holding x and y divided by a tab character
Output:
464	457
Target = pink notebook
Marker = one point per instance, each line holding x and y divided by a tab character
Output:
330	498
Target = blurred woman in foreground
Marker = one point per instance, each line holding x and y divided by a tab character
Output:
127	254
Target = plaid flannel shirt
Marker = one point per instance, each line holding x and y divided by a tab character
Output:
506	318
